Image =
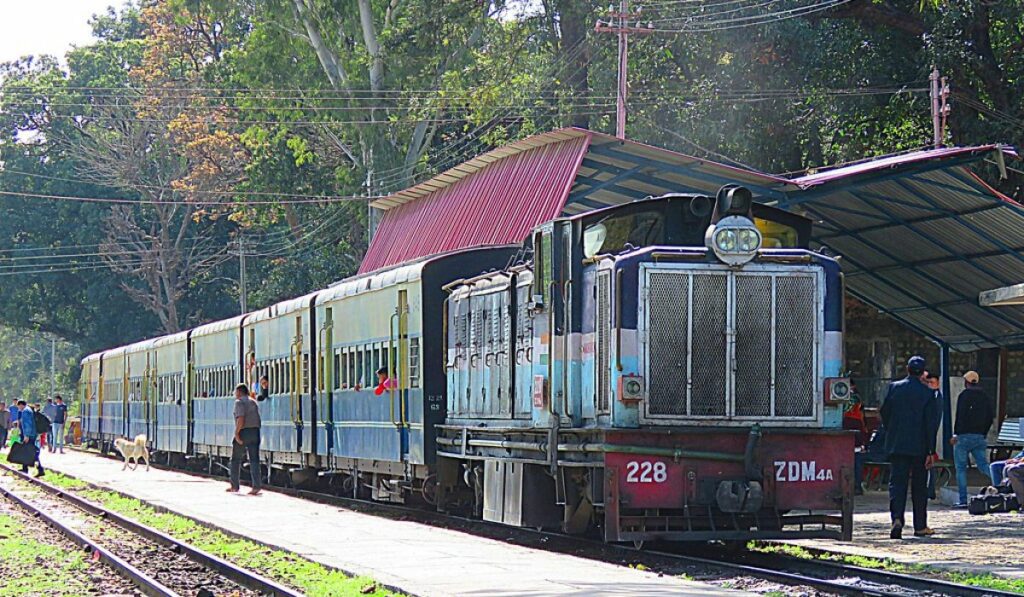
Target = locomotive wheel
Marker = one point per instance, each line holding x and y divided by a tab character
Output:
429	490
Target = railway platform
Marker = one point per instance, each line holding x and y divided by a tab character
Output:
409	556
963	542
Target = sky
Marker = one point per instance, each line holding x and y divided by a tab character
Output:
46	26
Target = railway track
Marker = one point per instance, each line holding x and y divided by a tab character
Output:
831	578
160	575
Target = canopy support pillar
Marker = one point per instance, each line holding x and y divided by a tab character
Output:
947	403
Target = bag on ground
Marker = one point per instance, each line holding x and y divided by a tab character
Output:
991	504
23	454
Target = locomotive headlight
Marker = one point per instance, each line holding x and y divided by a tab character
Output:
749	239
725	240
735	240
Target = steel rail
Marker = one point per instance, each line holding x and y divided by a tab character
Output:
145	583
774	567
918	583
243	577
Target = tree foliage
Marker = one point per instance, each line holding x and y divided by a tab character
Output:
271	121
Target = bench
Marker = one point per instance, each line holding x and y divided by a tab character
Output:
1007	442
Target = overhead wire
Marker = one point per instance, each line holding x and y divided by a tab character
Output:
120	201
314	198
707	25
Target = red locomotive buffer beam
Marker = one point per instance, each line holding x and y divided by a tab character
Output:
707	490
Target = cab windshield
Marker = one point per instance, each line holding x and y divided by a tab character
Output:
776	235
614	233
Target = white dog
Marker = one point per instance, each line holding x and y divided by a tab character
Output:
133	451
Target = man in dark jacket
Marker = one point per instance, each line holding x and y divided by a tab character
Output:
911	416
973	419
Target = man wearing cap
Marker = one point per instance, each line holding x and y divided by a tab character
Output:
911	416
973	419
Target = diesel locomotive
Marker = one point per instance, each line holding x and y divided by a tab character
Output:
665	369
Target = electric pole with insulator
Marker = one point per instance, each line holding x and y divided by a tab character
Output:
940	107
618	23
241	275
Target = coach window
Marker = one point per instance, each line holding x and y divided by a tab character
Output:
339	369
339	375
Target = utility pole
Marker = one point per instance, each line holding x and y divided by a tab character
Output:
53	367
241	274
940	107
619	25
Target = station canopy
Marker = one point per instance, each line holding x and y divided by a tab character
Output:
919	234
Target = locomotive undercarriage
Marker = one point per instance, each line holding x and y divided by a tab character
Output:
508	475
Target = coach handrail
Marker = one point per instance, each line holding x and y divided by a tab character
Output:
391	351
566	340
326	373
444	340
403	372
293	383
551	347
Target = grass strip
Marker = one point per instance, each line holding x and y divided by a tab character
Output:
31	567
984	580
312	578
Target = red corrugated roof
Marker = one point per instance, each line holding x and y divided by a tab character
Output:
493	205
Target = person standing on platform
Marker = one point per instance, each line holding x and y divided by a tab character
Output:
60	416
49	411
931	379
246	441
974	416
27	424
5	422
911	417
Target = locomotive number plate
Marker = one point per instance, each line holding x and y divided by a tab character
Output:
646	472
647	482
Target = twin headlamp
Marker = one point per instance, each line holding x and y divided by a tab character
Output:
733	237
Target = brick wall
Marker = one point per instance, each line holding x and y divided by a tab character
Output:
878	347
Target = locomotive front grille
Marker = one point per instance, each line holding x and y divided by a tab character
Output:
721	344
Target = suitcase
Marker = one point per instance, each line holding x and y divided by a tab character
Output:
23	454
989	504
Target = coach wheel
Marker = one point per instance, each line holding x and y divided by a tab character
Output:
429	490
